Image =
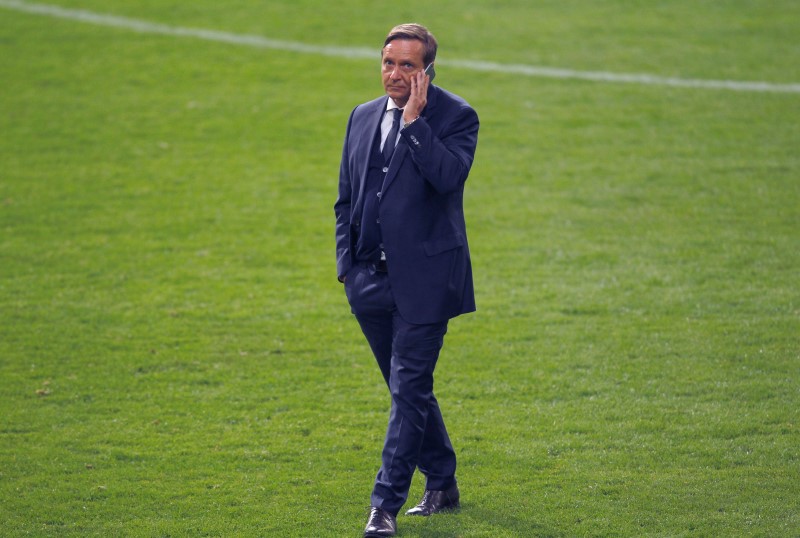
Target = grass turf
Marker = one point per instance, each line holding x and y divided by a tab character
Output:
177	358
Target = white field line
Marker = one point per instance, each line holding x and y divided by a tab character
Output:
360	52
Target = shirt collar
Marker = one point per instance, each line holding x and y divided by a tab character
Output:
391	105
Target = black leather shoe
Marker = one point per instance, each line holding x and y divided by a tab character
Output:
436	501
380	523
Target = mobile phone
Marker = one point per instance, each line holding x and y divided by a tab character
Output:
430	71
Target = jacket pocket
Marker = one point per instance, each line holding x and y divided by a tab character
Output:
443	244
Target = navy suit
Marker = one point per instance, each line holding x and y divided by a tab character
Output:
403	308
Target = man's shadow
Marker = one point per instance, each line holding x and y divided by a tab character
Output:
470	518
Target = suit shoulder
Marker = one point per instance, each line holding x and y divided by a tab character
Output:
450	101
370	106
451	98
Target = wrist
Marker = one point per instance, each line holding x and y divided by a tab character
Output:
407	123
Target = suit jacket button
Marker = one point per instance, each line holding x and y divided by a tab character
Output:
385	169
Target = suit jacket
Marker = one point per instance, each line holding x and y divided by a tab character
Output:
421	205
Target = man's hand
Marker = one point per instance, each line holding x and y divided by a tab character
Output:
418	98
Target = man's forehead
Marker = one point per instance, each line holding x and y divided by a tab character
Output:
406	49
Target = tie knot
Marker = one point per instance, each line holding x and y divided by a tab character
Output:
397	113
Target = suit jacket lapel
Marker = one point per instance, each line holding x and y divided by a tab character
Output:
371	128
402	149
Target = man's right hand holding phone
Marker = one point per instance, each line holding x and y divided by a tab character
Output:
419	96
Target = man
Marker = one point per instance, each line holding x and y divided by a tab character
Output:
402	254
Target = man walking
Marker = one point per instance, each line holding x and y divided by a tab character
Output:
402	254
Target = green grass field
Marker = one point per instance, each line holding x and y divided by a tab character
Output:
178	359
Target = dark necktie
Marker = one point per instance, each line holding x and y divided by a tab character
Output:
388	145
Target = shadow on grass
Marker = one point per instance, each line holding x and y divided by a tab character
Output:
474	521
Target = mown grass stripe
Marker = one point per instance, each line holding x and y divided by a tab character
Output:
362	52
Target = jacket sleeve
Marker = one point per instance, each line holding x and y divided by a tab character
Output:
445	160
342	211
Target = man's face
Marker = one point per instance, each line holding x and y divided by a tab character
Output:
401	59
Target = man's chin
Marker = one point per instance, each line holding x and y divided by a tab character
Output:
397	94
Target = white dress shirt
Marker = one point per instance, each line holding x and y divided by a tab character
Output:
386	123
